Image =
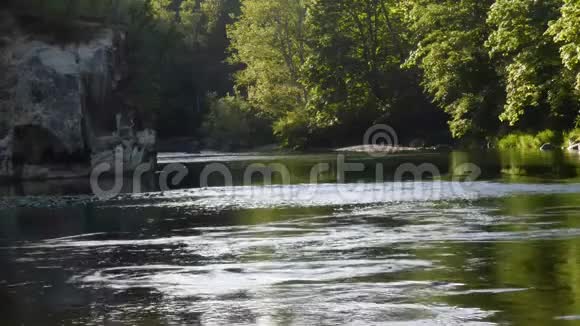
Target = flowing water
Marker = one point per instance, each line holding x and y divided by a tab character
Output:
445	250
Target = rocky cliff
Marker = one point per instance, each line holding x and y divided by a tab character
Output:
62	108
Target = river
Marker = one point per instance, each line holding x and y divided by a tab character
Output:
493	238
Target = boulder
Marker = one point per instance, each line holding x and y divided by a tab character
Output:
574	147
131	151
547	147
49	93
60	107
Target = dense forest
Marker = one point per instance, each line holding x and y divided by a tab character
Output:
318	73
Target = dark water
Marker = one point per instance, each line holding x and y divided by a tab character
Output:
504	249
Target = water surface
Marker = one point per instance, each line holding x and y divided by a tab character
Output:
504	249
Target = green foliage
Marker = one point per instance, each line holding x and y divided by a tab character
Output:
572	137
319	65
293	129
484	59
457	71
549	136
358	47
566	32
177	51
525	141
518	141
528	59
268	39
323	71
231	124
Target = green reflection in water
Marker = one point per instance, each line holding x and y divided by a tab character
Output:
518	256
546	271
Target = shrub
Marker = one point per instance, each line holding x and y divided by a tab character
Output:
549	136
524	141
231	124
292	130
518	141
572	137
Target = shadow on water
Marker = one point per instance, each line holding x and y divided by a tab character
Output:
507	166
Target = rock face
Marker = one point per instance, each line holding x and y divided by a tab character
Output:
60	107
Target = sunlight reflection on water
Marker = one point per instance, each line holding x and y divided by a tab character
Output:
196	256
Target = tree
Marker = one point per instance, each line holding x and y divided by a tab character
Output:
538	89
177	53
567	34
269	40
457	71
358	47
